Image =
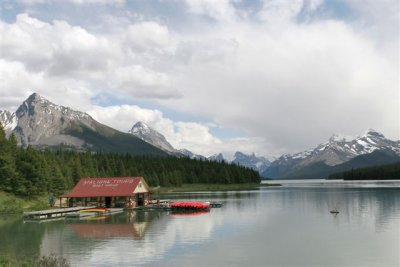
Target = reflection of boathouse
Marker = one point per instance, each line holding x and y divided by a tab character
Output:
109	192
107	231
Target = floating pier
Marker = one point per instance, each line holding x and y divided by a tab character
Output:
74	212
52	213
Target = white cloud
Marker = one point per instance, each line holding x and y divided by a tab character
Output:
78	2
140	82
194	136
147	35
219	10
60	51
293	85
286	84
280	10
188	135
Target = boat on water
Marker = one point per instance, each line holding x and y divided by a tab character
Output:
95	210
334	211
190	205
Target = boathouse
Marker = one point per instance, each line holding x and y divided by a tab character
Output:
110	192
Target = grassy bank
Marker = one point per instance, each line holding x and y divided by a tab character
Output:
10	203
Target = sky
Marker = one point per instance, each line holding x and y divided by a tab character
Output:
258	76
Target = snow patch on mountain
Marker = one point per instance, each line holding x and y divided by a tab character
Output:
259	164
337	150
8	120
187	153
151	136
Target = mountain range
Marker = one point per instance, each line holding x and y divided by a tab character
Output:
43	124
155	138
334	155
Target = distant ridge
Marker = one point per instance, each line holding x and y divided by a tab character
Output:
337	151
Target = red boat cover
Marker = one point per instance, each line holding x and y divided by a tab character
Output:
104	187
190	205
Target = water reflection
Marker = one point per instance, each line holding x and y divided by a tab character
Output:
279	226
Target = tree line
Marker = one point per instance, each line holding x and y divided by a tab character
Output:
32	172
382	172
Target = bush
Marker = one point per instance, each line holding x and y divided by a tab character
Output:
10	206
45	261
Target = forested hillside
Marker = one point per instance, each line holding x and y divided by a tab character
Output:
382	172
31	172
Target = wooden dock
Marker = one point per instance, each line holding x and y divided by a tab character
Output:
52	213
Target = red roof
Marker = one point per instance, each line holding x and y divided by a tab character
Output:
104	187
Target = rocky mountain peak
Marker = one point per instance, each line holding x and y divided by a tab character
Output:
35	97
337	138
39	119
217	157
336	151
151	136
259	164
373	133
8	120
140	127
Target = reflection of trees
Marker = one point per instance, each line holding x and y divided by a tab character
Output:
22	240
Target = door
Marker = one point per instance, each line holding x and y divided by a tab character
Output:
108	202
140	199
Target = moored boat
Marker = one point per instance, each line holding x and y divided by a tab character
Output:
190	205
334	211
95	210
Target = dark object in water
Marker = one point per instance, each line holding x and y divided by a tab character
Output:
334	211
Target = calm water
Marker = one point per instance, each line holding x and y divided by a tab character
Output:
280	226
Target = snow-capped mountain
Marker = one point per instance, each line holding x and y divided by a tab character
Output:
259	164
155	138
41	123
8	120
151	136
336	151
217	157
189	154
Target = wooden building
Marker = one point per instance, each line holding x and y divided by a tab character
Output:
111	192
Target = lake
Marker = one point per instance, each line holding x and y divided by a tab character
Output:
288	225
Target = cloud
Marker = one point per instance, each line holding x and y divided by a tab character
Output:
68	53
77	2
147	35
218	10
144	83
57	49
188	135
194	136
286	74
294	85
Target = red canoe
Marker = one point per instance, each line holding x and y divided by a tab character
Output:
190	205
